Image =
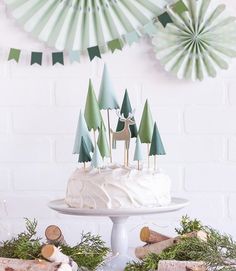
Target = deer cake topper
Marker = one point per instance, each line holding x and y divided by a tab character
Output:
124	134
126	129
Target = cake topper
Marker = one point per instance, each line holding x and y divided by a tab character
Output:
84	155
125	110
107	100
124	134
157	147
82	131
92	113
146	128
97	158
102	142
138	154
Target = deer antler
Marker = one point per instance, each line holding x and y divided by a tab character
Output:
131	114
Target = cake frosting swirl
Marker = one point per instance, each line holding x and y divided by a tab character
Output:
117	187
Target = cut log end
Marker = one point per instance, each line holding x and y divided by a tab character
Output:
53	233
149	236
47	251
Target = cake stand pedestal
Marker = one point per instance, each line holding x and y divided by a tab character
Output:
119	235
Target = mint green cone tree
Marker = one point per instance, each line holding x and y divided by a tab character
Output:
102	142
82	131
92	113
84	155
146	127
107	97
157	147
125	110
107	100
97	158
138	154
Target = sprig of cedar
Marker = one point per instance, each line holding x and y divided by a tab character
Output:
219	252
89	253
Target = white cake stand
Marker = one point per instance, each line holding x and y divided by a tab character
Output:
119	235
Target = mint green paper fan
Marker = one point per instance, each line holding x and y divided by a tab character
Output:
76	25
200	41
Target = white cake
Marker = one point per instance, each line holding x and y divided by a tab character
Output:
117	187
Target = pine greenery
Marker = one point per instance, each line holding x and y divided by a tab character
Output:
219	252
88	254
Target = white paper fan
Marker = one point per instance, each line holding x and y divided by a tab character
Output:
79	24
199	42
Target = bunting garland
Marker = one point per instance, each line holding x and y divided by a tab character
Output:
117	44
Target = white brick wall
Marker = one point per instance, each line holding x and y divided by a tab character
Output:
39	107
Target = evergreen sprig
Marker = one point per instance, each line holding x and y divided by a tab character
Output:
25	246
88	254
219	252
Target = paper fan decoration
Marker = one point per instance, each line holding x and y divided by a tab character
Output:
75	25
200	41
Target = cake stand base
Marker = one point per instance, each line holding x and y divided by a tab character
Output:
119	235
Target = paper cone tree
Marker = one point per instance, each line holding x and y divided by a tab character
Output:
157	147
97	158
138	154
92	113
84	155
82	131
126	109
107	98
146	125
102	142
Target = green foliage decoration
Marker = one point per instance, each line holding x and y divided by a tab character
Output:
218	252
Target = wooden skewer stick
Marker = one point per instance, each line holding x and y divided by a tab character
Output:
109	133
155	162
127	153
124	155
138	165
84	166
148	150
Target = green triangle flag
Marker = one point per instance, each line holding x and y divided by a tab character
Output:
150	28
36	58
107	98
179	7
92	113
57	57
94	52
74	56
97	158
102	142
146	125
115	45
165	19
157	147
138	154
82	131
132	37
14	54
84	155
126	109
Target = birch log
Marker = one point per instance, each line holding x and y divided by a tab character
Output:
25	265
181	266
149	236
142	252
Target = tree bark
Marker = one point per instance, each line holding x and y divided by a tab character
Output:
181	266
25	265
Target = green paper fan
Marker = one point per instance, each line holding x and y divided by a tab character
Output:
199	42
80	24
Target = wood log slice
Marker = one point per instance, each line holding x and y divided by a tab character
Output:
181	266
25	265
